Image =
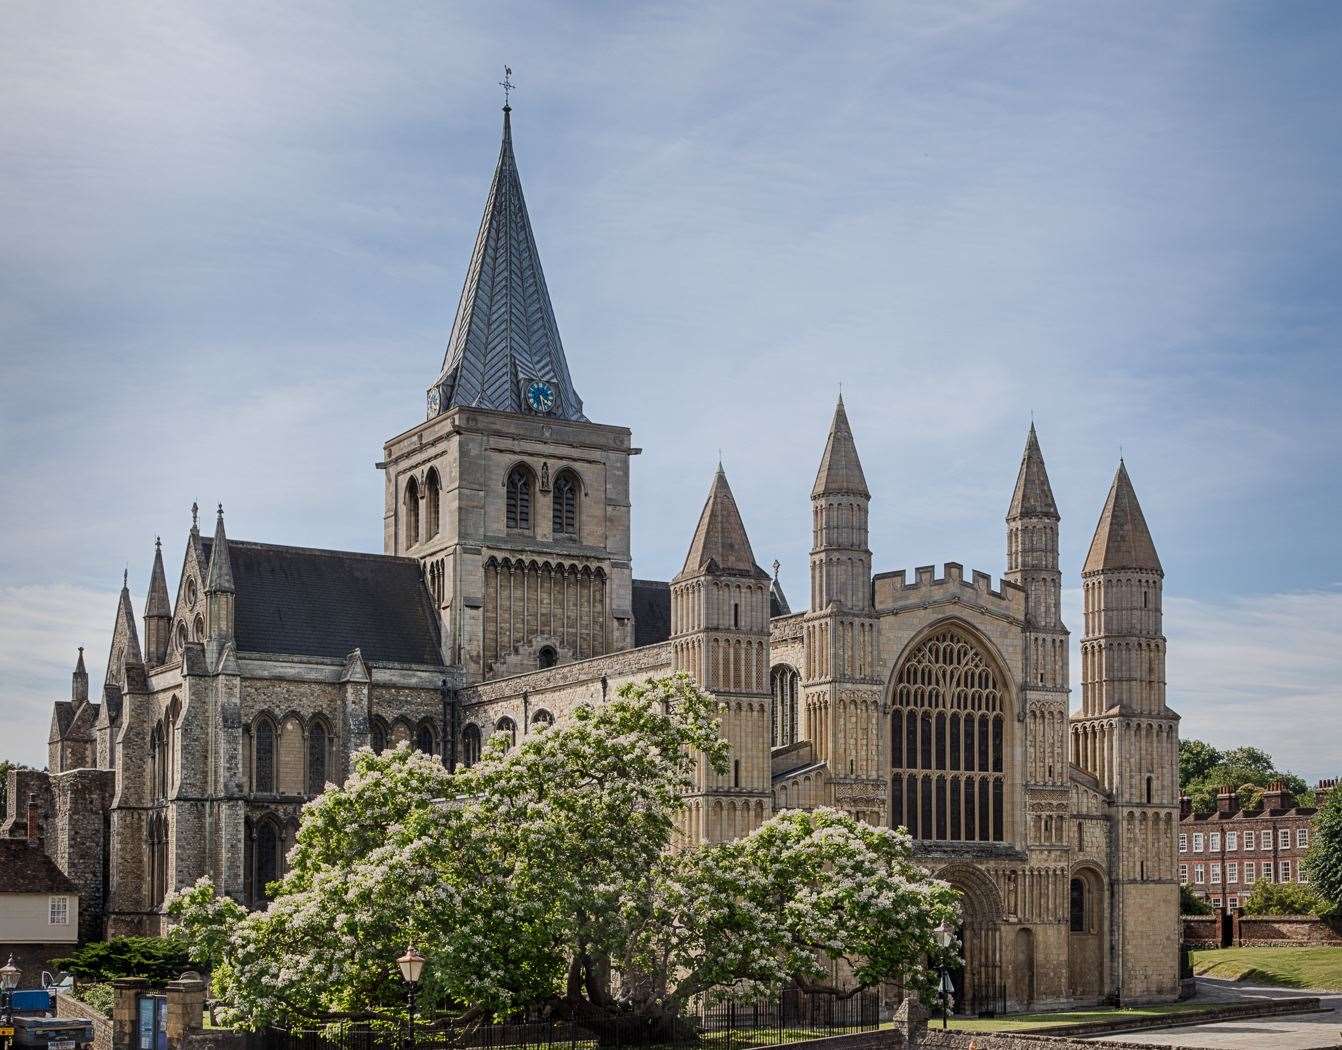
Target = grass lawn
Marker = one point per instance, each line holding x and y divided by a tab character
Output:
1287	967
1041	1021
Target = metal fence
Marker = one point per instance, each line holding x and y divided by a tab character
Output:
730	1025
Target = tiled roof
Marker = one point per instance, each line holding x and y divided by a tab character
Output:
840	470
720	542
505	331
652	612
27	869
326	603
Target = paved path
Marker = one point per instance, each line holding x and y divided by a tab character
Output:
1292	1032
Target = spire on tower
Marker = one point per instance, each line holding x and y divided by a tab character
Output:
505	340
840	469
220	576
79	681
1033	497
157	602
1122	539
720	542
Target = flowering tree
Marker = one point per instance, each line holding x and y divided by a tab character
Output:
547	877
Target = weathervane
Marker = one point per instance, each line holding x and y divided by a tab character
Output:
507	84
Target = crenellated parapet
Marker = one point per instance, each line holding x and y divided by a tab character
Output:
894	591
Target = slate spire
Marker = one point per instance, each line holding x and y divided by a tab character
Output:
840	470
1122	540
220	577
157	602
125	614
1033	497
505	334
720	542
79	680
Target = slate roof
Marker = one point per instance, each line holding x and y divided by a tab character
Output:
652	612
720	542
312	602
840	470
1033	497
778	605
27	869
505	330
1122	540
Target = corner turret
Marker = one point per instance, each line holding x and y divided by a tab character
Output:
79	681
157	612
219	589
840	501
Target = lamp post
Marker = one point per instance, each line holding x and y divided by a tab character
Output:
412	965
9	980
944	934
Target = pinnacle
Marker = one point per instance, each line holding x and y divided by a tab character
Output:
1033	496
1122	539
720	541
157	602
840	470
220	575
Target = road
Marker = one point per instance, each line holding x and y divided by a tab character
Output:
1292	1032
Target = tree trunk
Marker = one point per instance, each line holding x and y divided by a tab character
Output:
615	1027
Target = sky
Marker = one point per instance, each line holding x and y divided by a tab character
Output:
232	240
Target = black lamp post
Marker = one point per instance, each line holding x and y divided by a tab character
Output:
944	934
412	965
9	980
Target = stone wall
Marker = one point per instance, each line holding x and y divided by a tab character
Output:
1201	931
1286	931
69	1006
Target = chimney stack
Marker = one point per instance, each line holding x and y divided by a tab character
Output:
1226	800
1276	797
1185	807
1322	791
34	838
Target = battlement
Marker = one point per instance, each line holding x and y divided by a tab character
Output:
893	590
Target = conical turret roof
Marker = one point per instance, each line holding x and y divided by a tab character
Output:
220	576
1033	497
505	333
1122	540
157	602
720	541
840	470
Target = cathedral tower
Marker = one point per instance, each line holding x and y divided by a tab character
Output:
841	679
1032	562
720	637
513	502
1128	738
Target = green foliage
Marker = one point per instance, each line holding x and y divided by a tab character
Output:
1191	903
1249	770
102	997
1323	862
1196	759
1283	898
155	958
544	878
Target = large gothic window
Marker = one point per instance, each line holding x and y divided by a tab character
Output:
519	498
948	723
424	739
786	684
267	857
565	505
263	782
317	750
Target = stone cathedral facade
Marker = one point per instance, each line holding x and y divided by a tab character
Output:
937	701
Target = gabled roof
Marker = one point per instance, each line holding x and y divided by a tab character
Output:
1033	497
840	470
505	331
311	602
125	651
1122	540
28	869
720	542
778	605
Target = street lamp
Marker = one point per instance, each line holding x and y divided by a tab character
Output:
9	980
412	965
944	934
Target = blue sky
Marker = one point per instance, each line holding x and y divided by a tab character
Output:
232	239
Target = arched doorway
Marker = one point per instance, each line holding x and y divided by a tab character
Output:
978	981
1087	921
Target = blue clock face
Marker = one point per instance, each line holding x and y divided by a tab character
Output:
540	396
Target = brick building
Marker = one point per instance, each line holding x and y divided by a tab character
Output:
505	597
1222	856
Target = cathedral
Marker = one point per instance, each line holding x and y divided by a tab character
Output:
505	596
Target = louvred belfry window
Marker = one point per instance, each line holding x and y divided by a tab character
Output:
947	742
519	498
565	505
